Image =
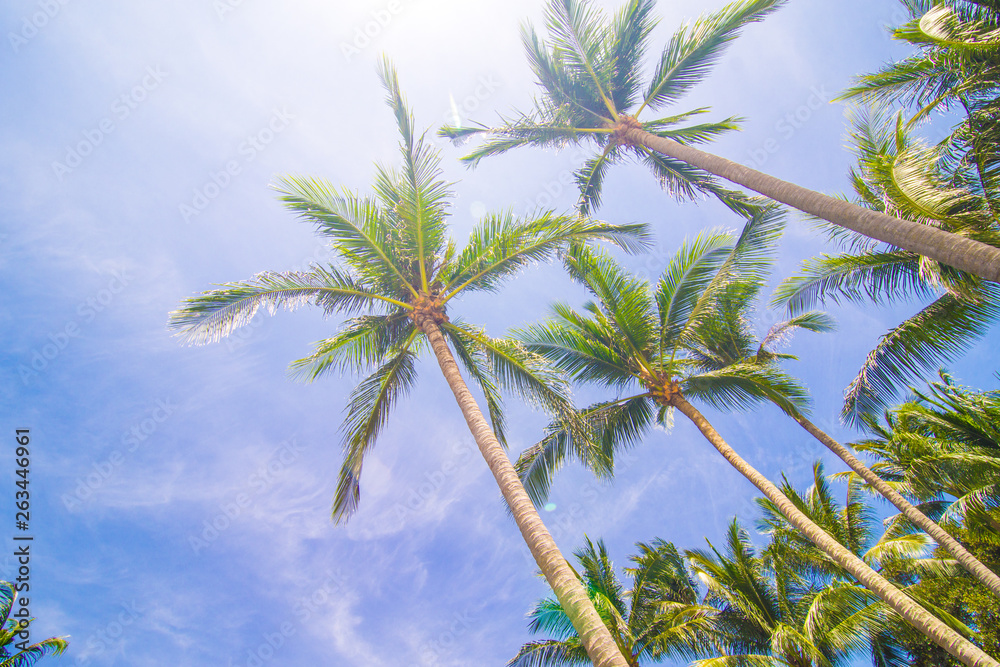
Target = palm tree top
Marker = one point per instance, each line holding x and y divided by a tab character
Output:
656	618
397	270
654	344
589	72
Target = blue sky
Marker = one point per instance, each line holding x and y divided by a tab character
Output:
181	496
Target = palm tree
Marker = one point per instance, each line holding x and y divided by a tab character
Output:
658	617
633	335
772	613
400	274
956	68
900	175
900	554
726	339
20	654
589	73
943	448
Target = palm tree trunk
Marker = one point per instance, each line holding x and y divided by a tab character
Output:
915	615
918	518
596	637
951	249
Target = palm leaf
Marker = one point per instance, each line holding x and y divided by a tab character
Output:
472	356
693	50
362	343
501	245
367	412
357	228
214	315
607	428
940	332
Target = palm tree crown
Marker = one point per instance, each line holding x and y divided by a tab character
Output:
398	268
651	343
590	73
658	617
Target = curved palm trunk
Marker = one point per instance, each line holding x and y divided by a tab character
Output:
915	615
596	637
950	249
974	566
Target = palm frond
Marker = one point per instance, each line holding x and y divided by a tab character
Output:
626	47
590	179
741	385
693	50
576	32
367	413
682	181
213	315
472	356
525	373
501	245
580	348
551	653
362	343
416	195
872	276
607	428
940	332
814	320
32	654
357	228
625	302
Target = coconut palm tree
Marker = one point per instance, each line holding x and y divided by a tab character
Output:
900	175
637	341
772	613
21	654
900	554
657	618
956	68
943	448
589	75
400	274
726	339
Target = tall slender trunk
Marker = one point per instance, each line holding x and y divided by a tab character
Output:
974	566
961	648
951	249
596	637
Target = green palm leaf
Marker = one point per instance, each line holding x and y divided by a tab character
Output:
692	51
364	342
940	332
214	315
367	413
